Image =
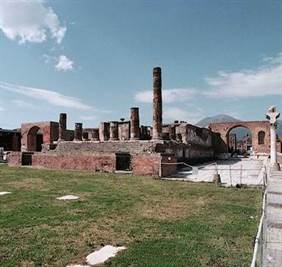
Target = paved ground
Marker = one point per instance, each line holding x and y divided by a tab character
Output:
272	230
237	171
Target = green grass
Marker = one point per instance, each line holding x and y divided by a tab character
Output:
162	223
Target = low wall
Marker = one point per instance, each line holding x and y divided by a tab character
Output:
100	162
14	159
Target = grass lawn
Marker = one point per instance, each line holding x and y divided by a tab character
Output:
162	223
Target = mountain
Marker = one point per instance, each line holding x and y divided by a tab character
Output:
218	118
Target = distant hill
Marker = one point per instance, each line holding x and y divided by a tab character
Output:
218	118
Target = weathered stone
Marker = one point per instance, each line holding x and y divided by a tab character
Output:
104	131
78	132
114	131
124	130
62	126
134	124
95	134
157	104
272	115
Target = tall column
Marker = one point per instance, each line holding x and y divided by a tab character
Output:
78	132
272	115
62	126
113	131
157	104
134	124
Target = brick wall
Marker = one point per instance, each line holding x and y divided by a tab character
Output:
146	164
14	159
106	147
254	126
96	162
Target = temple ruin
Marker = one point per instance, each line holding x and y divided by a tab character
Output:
126	145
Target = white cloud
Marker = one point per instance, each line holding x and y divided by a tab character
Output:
30	21
169	95
2	109
263	81
51	97
176	113
64	64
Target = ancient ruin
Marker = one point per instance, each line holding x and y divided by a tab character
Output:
126	145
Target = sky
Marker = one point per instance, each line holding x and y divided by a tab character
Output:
94	59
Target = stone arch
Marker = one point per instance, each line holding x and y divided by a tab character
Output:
234	127
223	129
261	137
34	139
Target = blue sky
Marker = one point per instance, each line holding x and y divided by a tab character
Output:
94	59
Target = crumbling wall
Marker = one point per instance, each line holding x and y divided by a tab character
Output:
191	134
50	131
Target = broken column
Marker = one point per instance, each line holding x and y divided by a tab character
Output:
62	126
157	103
113	131
272	115
104	131
134	124
78	132
95	134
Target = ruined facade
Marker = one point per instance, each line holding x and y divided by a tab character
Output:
126	145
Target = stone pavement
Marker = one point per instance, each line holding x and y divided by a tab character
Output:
247	171
272	228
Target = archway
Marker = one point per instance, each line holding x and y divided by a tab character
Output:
239	140
260	141
34	139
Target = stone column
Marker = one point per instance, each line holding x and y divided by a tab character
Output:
104	131
172	132
95	134
157	104
134	124
113	131
62	126
78	132
272	115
